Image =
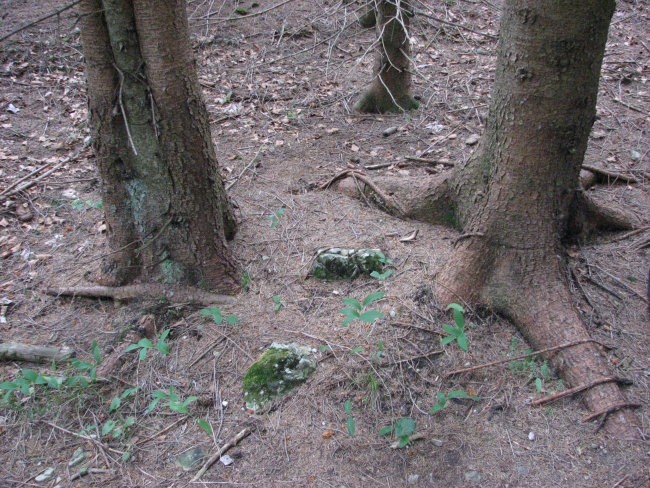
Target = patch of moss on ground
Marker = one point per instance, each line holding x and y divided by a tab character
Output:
279	370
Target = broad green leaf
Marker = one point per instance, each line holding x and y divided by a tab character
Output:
129	421
403	441
457	394
96	353
357	350
347	406
373	297
9	386
381	276
232	319
108	426
438	406
190	399
143	353
160	394
352	302
539	385
370	316
214	312
404	426
456	307
447	340
463	342
384	431
115	404
205	425
151	406
450	329
350	425
128	392
30	375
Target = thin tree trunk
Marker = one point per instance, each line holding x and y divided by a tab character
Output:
390	88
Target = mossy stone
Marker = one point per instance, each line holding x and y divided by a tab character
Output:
279	370
335	263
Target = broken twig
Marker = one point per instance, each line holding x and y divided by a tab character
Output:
213	459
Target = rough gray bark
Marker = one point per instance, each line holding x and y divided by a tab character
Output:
165	206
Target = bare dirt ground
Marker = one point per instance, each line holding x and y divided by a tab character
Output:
279	87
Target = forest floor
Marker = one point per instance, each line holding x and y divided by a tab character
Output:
279	87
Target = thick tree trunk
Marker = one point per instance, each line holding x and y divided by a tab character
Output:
390	88
518	191
519	194
165	205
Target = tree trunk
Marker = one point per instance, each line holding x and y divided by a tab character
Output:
390	88
519	194
165	206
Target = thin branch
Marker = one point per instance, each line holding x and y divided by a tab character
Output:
610	409
126	120
429	161
247	16
453	24
36	180
609	174
573	391
39	20
522	356
213	459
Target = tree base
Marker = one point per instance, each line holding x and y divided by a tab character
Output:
379	101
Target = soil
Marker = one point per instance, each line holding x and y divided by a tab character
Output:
279	87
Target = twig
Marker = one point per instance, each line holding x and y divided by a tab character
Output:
234	182
610	174
429	161
602	287
85	471
85	437
143	291
634	232
212	345
621	481
631	107
18	182
126	120
453	24
610	409
522	356
572	391
29	184
377	166
425	355
620	283
231	443
161	432
39	20
247	16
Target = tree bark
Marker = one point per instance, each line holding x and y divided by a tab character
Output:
519	194
165	205
390	88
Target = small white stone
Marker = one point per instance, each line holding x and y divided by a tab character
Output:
531	436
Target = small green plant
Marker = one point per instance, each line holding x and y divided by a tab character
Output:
379	353
144	345
116	402
533	370
278	304
455	333
350	423
356	310
443	399
78	204
275	217
381	276
245	281
402	428
217	316
171	400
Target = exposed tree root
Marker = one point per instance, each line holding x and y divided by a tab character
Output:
575	390
175	294
519	278
608	177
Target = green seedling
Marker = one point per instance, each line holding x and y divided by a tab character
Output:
455	333
350	423
381	276
278	304
356	310
116	428
171	400
443	399
116	402
275	217
538	373
217	316
144	345
245	281
402	428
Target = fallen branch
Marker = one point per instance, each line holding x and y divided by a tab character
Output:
29	184
231	443
435	352
15	351
40	19
85	471
573	391
144	291
610	175
429	161
247	16
522	356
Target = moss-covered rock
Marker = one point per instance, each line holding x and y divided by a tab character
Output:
335	263
279	370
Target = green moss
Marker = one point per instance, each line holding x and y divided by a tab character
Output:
172	271
335	263
450	217
279	370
